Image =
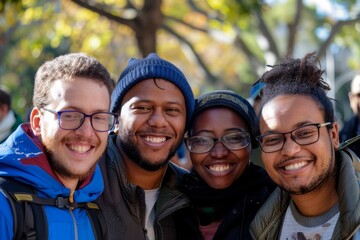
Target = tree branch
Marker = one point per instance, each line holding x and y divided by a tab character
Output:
334	30
254	61
212	79
180	21
197	9
293	28
127	22
265	31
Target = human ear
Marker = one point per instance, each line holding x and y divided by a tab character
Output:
35	121
334	134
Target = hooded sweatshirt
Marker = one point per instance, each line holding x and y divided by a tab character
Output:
23	158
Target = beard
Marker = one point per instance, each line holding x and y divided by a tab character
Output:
328	172
57	164
130	148
59	168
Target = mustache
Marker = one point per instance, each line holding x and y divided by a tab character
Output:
292	158
91	141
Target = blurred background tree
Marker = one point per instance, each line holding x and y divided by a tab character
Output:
217	43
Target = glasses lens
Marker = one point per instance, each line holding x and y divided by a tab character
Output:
71	119
199	144
306	135
271	142
236	140
103	121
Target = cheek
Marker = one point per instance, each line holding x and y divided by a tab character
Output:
244	154
196	160
267	160
103	137
130	123
49	129
178	124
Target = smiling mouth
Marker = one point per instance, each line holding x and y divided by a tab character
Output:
79	149
155	139
295	166
219	168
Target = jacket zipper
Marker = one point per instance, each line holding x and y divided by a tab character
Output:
71	200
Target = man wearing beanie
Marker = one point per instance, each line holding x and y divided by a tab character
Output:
141	200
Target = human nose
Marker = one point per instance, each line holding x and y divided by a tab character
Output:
85	128
290	147
219	150
157	119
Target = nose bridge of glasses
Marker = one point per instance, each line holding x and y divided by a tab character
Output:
287	135
218	145
83	121
220	140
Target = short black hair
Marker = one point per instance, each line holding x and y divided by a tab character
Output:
5	98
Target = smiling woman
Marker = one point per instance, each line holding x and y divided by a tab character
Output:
224	187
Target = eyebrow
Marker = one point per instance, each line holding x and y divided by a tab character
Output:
299	124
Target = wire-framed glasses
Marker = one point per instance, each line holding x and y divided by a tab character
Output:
304	135
232	141
72	119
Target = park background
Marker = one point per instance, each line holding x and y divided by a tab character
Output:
218	44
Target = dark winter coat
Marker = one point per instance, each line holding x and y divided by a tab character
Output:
124	203
236	205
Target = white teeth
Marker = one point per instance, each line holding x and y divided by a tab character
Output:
155	139
295	166
80	149
219	168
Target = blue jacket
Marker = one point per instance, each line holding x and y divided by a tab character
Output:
22	158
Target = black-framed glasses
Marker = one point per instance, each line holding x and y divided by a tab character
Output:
304	135
72	119
232	141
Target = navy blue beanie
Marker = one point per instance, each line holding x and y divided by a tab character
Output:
232	100
151	67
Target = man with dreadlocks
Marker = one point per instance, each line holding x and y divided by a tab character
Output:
318	195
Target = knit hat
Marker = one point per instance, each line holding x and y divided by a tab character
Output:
149	68
232	100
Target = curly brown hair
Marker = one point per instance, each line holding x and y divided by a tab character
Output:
66	68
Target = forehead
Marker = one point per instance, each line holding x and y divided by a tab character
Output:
158	91
285	112
219	118
79	92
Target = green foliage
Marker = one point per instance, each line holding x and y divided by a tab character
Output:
232	38
4	4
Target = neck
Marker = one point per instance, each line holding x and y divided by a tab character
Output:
68	182
143	178
318	201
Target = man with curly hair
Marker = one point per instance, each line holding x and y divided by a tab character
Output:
318	178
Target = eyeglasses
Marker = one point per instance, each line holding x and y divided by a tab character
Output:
303	135
72	120
232	141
